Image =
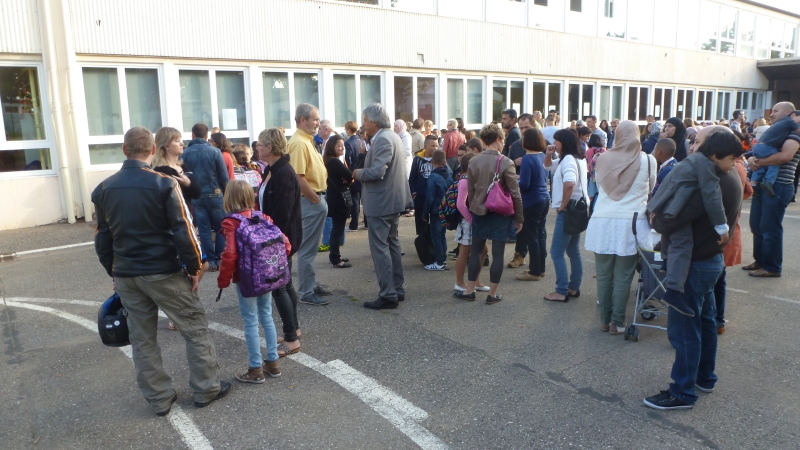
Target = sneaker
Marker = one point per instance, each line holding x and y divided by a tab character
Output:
253	375
516	261
272	368
313	299
434	266
526	276
321	291
324	248
665	401
703	390
224	388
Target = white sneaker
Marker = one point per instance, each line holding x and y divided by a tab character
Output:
434	266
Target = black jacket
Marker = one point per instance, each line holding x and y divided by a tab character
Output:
353	158
191	192
281	200
339	178
143	224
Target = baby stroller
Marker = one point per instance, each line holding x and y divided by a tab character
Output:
648	291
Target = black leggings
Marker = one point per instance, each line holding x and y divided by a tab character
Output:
286	302
474	265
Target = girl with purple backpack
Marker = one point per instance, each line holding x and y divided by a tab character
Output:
238	203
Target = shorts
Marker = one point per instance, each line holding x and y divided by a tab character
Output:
464	233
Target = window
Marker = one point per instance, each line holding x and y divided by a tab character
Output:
351	94
688	24
703	108
215	98
612	23
575	5
414	96
637	103
118	99
640	21
580	101
466	105
762	37
507	94
684	103
776	39
610	103
665	28
723	105
24	139
789	41
747	26
727	31
283	91
662	103
709	26
417	6
540	2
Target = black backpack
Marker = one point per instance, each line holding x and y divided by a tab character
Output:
112	323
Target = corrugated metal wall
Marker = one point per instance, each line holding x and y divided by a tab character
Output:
19	27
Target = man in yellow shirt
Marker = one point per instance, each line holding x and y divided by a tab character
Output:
312	176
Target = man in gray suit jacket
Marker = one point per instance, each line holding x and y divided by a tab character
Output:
384	195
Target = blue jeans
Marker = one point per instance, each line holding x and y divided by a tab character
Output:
255	310
208	215
439	240
326	232
695	338
719	298
569	243
766	223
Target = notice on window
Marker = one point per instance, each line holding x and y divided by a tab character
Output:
587	109
551	108
657	111
229	119
680	108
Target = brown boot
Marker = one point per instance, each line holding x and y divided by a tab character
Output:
272	368
253	375
517	261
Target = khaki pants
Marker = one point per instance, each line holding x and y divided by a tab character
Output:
142	297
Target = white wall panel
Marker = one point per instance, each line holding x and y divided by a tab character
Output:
19	27
29	202
339	33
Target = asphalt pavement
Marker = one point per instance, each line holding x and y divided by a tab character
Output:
435	373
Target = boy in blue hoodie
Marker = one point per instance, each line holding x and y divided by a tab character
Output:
438	182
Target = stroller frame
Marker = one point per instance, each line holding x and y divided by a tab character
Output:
648	304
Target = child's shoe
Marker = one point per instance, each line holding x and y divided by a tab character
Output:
768	189
253	375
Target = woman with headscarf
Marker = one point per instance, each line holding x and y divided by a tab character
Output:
400	129
676	130
650	143
625	176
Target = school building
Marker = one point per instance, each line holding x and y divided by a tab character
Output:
76	74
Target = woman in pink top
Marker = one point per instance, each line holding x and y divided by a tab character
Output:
464	231
220	141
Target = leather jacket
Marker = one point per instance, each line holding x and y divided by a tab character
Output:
207	167
143	224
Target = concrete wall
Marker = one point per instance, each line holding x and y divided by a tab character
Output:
29	202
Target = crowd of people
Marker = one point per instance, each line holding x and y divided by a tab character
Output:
171	215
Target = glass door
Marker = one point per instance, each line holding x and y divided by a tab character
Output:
662	103
610	102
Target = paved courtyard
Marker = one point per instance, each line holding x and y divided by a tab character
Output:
435	373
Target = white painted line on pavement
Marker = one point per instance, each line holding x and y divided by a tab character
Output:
55	300
783	299
181	422
790	217
737	290
61	247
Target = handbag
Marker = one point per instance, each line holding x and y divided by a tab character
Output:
498	199
577	214
348	198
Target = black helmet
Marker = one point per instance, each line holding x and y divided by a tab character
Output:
112	322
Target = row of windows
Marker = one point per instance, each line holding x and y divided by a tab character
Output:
690	24
117	98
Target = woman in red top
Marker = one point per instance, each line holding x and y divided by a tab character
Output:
254	310
220	141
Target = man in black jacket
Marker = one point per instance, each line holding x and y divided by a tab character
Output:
146	241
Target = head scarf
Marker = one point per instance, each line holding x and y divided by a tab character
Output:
617	168
691	134
655	128
679	137
401	125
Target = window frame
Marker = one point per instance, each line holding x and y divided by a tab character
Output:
706	116
688	107
508	80
671	105
359	106
703	39
720	38
48	143
123	104
465	94
415	94
292	102
212	82
611	87
547	100
720	96
649	100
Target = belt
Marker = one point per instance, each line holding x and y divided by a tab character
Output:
320	193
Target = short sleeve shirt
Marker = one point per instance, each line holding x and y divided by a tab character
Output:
306	160
787	170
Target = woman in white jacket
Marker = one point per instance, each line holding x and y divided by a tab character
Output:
625	176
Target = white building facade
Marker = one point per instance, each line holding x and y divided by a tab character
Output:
76	74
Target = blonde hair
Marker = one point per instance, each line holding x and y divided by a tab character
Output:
759	122
275	138
239	196
164	137
429	123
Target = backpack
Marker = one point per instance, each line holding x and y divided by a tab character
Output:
449	214
263	264
250	176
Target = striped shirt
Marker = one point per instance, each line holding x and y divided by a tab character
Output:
786	174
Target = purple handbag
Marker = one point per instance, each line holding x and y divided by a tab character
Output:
498	199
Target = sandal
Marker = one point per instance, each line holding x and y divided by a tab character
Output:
548	298
172	326
287	352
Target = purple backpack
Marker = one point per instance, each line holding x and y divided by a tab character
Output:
263	264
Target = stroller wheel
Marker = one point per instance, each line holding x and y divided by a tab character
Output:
635	335
647	315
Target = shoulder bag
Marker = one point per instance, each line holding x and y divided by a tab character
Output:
498	199
577	213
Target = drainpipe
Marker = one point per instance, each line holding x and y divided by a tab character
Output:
49	53
73	72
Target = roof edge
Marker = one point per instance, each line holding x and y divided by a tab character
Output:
771	8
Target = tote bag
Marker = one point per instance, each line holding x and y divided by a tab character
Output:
498	199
